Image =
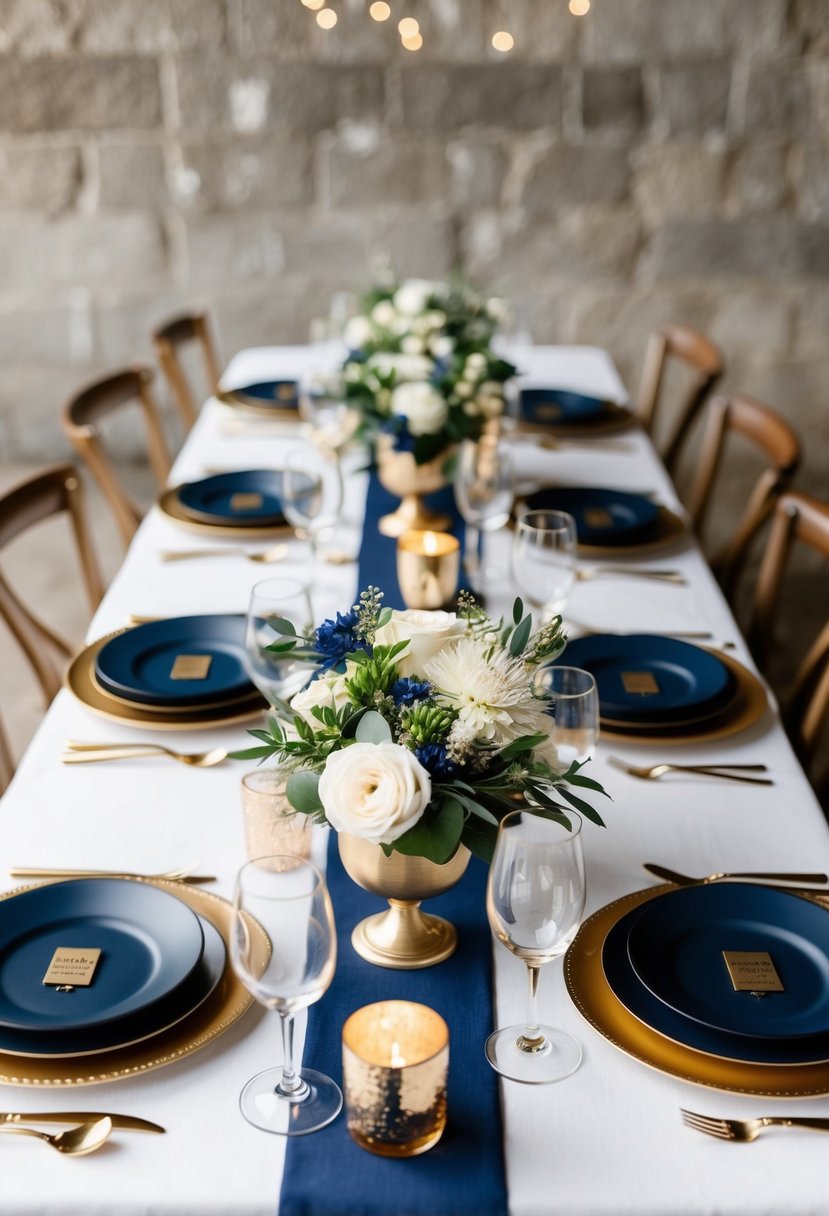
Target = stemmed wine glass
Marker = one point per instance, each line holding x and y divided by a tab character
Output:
544	558
535	898
276	606
312	493
575	709
483	492
287	897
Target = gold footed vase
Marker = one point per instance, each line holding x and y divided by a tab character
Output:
402	937
399	474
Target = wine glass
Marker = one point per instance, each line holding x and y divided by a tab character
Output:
535	898
483	492
312	493
287	898
544	558
275	604
575	710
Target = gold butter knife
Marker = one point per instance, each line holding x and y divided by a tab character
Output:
127	1123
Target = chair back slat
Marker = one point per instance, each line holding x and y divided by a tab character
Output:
705	363
168	340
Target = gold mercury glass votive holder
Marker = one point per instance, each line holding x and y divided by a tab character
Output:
272	826
428	565
395	1064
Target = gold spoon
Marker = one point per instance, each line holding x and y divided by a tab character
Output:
75	1141
93	753
266	556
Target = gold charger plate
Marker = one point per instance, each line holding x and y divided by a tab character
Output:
218	1013
239	400
80	680
170	506
613	418
745	708
596	1002
669	529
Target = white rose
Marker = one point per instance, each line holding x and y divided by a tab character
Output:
476	361
405	367
463	389
412	345
412	296
327	690
421	405
376	791
442	347
426	632
497	309
384	313
358	331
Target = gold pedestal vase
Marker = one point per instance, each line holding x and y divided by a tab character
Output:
399	474
402	937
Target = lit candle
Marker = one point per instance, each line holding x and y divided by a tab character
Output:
395	1063
428	564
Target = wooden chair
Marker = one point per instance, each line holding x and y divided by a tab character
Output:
168	340
705	364
775	440
6	762
81	416
41	497
797	518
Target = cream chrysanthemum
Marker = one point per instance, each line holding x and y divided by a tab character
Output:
490	691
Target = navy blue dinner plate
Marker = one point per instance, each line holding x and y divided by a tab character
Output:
558	407
645	678
250	496
603	517
181	1002
150	943
152	663
676	948
628	988
267	394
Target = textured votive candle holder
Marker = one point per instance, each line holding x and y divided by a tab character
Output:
272	826
395	1064
428	564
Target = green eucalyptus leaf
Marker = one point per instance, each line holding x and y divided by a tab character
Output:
281	624
435	836
517	610
303	791
373	728
521	636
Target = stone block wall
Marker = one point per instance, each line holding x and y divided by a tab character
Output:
657	159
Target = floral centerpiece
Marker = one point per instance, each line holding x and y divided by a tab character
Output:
418	731
421	367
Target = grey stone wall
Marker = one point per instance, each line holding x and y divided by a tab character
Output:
658	159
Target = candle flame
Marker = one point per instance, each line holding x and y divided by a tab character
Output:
397	1061
430	544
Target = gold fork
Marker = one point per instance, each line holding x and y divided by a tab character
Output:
745	1130
654	771
274	554
660	576
92	753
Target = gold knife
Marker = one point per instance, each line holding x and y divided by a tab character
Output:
41	872
128	1123
791	881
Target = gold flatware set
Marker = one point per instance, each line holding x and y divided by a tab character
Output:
653	772
93	753
585	575
773	876
182	874
746	1130
266	556
75	1141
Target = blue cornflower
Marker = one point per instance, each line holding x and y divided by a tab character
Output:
335	639
406	691
434	759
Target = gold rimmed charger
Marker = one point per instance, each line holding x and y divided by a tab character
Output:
170	506
597	1003
218	1013
238	399
81	682
669	529
612	418
745	708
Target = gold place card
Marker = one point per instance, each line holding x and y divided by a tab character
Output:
285	392
72	966
752	971
191	667
598	517
642	683
248	501
547	411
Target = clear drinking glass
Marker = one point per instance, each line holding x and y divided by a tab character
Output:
288	898
544	558
312	493
535	899
575	708
274	601
483	491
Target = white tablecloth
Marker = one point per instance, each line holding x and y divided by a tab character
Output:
607	1140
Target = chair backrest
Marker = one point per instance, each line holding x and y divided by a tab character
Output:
705	363
6	762
168	341
80	419
773	439
797	518
40	497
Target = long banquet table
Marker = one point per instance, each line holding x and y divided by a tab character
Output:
607	1140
